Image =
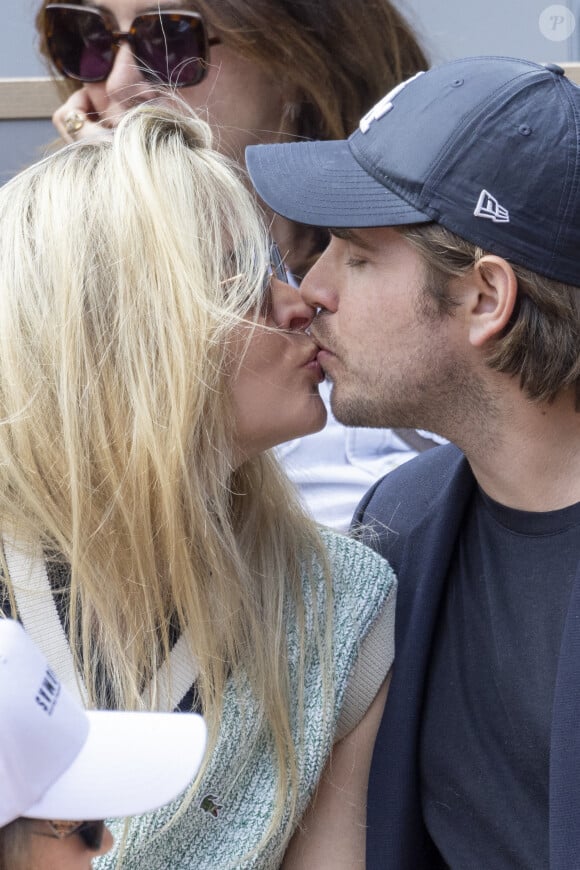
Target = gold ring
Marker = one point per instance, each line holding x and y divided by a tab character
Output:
73	122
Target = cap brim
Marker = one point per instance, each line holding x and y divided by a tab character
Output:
321	184
129	764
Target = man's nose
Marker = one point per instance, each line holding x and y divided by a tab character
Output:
314	288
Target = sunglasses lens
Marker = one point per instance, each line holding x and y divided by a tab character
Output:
172	47
91	833
79	43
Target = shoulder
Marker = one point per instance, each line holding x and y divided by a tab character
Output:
357	569
347	554
355	581
418	481
406	497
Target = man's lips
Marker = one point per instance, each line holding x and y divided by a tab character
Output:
324	358
324	353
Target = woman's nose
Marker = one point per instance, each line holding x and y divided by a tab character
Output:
126	83
289	310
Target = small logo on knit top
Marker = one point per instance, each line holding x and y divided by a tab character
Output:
209	805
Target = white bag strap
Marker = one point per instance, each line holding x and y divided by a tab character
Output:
38	612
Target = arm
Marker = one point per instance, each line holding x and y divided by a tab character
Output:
332	833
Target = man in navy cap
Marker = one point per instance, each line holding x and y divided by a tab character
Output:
448	300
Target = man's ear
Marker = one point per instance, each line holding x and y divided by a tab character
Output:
491	298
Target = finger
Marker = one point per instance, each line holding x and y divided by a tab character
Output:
76	118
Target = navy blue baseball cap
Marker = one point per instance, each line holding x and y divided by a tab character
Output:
488	147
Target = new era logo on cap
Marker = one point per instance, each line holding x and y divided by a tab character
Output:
488	207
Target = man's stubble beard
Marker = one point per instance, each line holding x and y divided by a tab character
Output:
449	401
438	391
436	388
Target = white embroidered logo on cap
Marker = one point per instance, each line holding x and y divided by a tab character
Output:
385	104
488	207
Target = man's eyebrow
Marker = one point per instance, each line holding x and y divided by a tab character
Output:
348	235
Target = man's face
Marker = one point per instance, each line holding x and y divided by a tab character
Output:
393	360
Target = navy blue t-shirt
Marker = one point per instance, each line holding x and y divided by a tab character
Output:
486	721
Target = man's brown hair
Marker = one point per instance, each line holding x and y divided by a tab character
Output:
540	344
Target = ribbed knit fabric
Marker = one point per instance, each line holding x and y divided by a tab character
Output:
231	811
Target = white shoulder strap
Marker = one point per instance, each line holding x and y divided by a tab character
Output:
39	615
175	677
38	612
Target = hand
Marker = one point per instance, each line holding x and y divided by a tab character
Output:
77	119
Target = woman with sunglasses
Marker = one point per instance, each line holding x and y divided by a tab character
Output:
56	760
151	545
39	844
258	71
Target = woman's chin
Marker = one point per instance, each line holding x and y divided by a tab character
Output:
312	421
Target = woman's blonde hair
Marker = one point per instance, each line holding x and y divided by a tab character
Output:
124	267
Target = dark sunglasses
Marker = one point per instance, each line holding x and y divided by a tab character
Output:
91	833
171	48
276	269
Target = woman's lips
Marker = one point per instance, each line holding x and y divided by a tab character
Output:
313	364
323	351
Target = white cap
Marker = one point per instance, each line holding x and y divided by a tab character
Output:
58	761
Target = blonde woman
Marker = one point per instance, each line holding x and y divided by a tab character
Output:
151	544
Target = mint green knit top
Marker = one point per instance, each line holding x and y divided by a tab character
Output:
230	812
